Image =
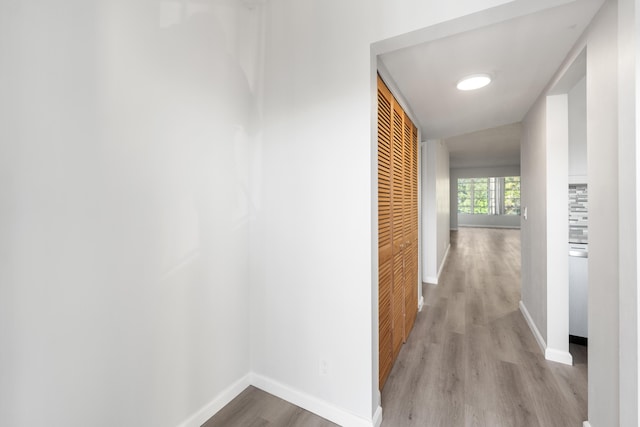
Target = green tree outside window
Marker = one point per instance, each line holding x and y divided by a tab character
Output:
489	196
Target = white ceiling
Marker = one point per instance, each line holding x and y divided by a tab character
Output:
521	54
499	146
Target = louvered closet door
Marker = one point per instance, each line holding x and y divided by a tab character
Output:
397	235
385	258
411	225
397	194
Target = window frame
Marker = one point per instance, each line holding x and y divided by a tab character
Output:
492	196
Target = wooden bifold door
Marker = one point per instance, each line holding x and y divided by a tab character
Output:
397	227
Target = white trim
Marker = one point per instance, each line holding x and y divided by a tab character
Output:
533	327
549	353
303	400
219	402
421	265
432	280
508	227
444	260
558	356
586	424
375	278
306	401
393	87
377	417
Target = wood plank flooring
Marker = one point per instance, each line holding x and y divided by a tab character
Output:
256	408
470	361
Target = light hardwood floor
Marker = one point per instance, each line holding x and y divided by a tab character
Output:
470	360
256	408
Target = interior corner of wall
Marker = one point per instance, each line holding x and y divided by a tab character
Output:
221	400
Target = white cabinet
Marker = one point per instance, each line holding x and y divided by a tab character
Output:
578	290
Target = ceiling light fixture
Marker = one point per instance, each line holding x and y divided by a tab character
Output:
473	82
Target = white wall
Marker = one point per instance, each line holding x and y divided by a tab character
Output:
508	221
557	182
130	165
443	204
123	210
544	191
556	118
533	231
578	130
602	137
602	161
489	221
435	208
628	75
314	267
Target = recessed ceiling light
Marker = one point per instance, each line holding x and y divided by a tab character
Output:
475	81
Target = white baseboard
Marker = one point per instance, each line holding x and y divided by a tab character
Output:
508	227
533	327
421	303
319	407
310	403
586	424
444	260
219	402
377	417
558	356
432	280
549	353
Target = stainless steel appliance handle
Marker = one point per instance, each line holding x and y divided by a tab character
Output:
579	254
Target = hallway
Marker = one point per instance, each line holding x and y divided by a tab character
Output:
471	359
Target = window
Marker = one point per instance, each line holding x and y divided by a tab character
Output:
489	196
512	195
465	191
